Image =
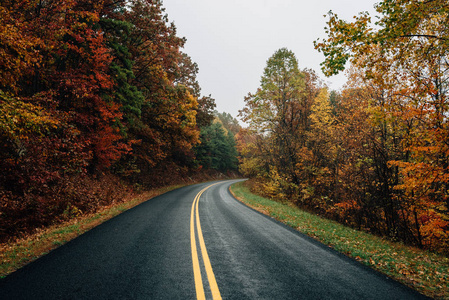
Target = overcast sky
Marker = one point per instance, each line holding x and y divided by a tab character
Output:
231	40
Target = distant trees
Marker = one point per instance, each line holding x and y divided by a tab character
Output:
217	148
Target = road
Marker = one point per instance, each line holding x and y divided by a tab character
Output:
195	242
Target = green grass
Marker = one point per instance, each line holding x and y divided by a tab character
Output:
422	270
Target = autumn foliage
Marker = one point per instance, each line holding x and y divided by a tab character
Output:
375	155
90	91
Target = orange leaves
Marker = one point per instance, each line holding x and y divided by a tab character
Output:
90	86
109	146
16	50
402	61
348	205
434	228
346	211
63	57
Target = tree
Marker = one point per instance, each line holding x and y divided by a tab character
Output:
276	112
88	88
405	56
205	111
16	45
117	35
229	122
58	121
217	149
321	144
163	113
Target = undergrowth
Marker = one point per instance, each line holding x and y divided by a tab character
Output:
18	252
29	245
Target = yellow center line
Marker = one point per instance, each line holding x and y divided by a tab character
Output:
196	265
207	265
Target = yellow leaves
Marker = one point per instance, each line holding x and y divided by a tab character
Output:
403	269
218	121
273	186
19	119
321	115
434	230
323	127
189	109
251	166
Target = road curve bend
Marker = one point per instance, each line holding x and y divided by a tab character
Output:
197	242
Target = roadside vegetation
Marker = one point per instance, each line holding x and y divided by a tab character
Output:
374	155
422	270
17	252
104	105
100	105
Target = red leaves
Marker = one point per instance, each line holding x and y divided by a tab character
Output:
59	122
89	86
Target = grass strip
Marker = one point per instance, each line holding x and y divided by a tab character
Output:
422	270
17	253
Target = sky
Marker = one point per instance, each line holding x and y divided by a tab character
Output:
231	40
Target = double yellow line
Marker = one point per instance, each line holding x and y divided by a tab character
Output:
196	264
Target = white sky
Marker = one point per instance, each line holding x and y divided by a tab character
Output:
231	40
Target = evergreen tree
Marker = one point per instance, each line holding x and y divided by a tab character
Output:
217	149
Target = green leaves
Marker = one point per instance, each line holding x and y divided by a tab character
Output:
217	149
278	95
278	117
345	40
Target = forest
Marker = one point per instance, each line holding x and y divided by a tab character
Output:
374	155
97	99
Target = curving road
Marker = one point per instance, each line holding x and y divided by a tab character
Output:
195	242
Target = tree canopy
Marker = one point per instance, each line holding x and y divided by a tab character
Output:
89	89
374	155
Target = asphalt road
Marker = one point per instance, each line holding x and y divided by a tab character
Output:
149	252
